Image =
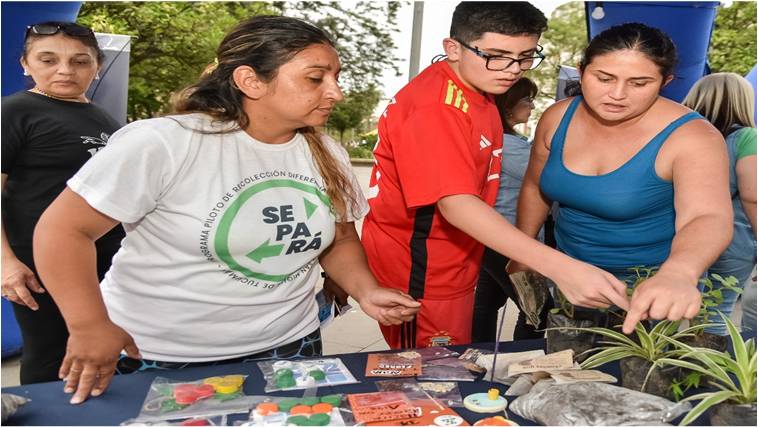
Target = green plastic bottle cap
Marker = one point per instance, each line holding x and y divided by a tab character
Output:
298	420
285	382
284	372
309	401
170	405
317	374
287	404
319	420
332	399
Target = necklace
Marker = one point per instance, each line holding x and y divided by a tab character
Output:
35	89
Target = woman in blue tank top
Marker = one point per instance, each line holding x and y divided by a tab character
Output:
639	179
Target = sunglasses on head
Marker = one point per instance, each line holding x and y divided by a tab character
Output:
49	29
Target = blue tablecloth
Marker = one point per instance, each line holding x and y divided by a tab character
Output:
124	397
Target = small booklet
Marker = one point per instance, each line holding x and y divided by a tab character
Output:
392	365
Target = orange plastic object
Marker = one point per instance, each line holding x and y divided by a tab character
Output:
322	408
493	421
300	410
267	408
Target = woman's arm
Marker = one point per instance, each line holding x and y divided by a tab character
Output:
69	272
17	278
345	262
704	224
583	284
746	177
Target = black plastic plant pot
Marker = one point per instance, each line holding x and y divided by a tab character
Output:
564	339
707	340
634	370
731	414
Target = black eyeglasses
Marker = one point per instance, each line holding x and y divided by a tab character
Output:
52	28
500	63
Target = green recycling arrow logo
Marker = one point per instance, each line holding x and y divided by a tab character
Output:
265	249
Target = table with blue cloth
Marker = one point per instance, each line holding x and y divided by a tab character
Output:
124	397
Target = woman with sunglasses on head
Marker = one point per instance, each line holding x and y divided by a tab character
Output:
640	180
228	206
48	133
494	288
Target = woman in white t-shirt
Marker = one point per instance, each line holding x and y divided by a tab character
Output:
228	206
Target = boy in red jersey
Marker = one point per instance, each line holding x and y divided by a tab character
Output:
436	178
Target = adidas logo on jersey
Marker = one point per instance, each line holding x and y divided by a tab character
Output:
484	143
454	97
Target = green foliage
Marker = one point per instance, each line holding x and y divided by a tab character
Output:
641	273
564	42
733	376
173	42
361	151
712	298
362	31
354	110
653	346
733	43
680	386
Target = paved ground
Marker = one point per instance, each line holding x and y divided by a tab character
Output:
355	332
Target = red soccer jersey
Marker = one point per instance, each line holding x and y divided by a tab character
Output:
436	138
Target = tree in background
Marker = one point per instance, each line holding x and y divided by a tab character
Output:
362	31
174	41
733	46
351	113
563	42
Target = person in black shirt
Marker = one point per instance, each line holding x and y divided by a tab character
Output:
48	133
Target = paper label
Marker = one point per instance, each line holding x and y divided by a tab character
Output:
572	376
550	362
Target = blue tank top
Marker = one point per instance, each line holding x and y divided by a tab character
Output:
621	219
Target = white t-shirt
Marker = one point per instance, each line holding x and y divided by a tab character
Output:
222	234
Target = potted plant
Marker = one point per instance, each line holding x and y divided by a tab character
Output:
566	326
733	376
641	355
712	298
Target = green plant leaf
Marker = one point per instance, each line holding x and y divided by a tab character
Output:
608	355
708	400
721	376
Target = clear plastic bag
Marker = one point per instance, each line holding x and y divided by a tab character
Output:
592	404
170	399
448	369
10	404
446	393
219	420
311	411
302	374
382	406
